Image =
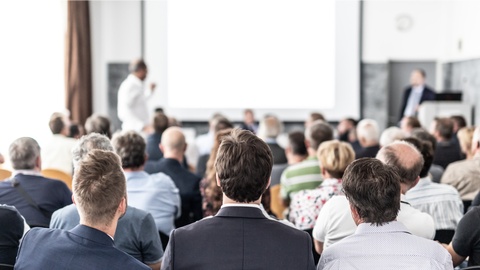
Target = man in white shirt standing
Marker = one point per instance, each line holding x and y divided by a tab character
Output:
132	99
380	241
415	94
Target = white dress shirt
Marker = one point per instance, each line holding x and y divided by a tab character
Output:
413	100
389	246
132	104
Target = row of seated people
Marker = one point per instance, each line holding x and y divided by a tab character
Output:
129	143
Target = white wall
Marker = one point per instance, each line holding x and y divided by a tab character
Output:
116	37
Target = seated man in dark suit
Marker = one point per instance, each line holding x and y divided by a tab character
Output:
447	151
34	196
173	146
368	136
240	235
269	129
99	191
415	94
12	228
160	123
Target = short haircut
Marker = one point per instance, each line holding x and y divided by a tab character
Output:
424	135
160	122
57	123
222	123
368	130
130	146
89	142
465	137
422	72
243	165
318	133
270	127
314	116
373	189
412	122
99	186
137	65
459	120
174	139
426	150
98	124
444	127
23	153
334	156
248	111
391	134
296	142
405	157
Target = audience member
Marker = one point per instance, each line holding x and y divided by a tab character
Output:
34	196
465	136
76	131
390	135
447	151
409	123
347	132
160	124
436	171
173	146
132	99
464	175
154	193
98	124
12	229
269	129
249	121
136	233
204	142
466	241
379	242
306	174
313	117
2	159
415	94
221	124
459	122
57	154
240	235
368	136
100	195
440	201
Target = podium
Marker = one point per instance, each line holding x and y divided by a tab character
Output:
430	109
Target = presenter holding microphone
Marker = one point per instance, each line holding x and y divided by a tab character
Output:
415	94
132	99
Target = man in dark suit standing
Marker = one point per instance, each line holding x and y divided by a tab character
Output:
241	235
415	94
99	191
173	146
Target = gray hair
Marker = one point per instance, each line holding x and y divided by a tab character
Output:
368	130
391	134
23	153
89	142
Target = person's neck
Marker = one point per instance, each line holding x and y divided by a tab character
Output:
175	156
227	200
138	169
366	144
312	152
294	159
404	188
106	228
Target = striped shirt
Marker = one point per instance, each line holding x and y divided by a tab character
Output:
441	201
300	176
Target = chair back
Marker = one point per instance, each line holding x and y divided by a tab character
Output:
6	266
59	175
4	174
276	205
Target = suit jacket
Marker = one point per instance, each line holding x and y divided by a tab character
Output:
153	150
278	153
428	94
11	231
82	247
188	185
238	237
49	194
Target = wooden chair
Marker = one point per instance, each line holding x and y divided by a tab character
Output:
59	175
4	174
276	205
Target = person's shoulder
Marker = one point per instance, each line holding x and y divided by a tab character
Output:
35	235
126	261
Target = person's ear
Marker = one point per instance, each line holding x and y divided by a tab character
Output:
269	182
122	207
185	148
218	179
161	147
73	200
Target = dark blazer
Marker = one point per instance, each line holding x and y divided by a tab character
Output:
82	247
446	153
153	150
11	231
201	168
428	94
278	153
188	185
50	195
238	238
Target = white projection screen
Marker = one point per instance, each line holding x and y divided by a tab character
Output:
285	57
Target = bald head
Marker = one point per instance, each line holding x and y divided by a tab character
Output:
406	159
173	143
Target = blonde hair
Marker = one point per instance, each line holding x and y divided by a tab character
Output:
335	156
465	136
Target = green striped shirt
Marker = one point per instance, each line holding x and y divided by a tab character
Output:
300	176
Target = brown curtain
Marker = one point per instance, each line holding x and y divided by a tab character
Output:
78	62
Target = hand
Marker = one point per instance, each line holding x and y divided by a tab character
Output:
153	86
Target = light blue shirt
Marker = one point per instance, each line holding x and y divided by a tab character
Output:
156	194
389	246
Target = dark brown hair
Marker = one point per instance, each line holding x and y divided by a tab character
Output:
56	123
160	122
130	146
426	149
444	126
98	124
318	133
296	141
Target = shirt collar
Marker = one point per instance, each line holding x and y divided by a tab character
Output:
26	172
241	205
390	227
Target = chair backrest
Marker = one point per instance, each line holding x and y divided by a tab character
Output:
4	174
59	175
276	205
5	266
